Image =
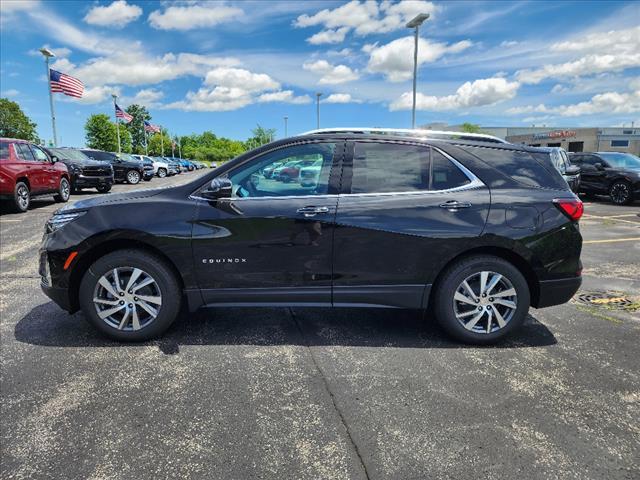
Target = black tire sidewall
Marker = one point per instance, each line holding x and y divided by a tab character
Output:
453	277
104	189
15	197
163	275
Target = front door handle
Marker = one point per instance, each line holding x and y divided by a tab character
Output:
453	205
312	211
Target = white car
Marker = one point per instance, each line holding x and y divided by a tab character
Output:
309	175
160	169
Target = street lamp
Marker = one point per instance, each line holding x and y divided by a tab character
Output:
47	55
285	126
415	23
115	97
318	95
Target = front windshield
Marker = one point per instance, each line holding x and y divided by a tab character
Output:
621	160
68	154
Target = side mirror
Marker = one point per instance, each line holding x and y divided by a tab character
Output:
599	166
573	170
218	188
54	159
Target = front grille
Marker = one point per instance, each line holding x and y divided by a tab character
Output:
96	171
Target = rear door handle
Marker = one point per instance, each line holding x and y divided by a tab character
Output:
312	211
455	205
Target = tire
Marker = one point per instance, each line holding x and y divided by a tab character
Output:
620	193
64	191
162	172
104	188
447	308
165	286
133	177
21	197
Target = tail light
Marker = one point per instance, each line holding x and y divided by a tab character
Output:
571	207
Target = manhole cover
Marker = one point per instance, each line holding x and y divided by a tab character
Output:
610	300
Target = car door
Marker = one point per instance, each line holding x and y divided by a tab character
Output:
404	209
50	173
270	242
37	176
593	179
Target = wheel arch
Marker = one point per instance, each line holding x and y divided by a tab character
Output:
104	248
24	180
509	255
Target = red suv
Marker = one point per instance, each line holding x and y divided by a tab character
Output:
26	170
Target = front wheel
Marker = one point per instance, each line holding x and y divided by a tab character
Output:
133	177
103	188
64	190
130	295
162	172
620	193
481	299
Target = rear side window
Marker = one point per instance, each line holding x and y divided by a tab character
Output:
4	151
520	166
444	174
24	152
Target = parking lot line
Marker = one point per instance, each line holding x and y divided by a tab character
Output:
613	240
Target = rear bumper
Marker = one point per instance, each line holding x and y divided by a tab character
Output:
556	292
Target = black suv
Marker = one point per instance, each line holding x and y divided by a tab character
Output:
609	173
84	172
472	230
130	171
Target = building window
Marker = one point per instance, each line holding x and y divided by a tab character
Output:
619	143
627	132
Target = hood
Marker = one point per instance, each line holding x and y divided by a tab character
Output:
112	198
85	163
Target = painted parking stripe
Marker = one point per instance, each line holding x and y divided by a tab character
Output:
614	240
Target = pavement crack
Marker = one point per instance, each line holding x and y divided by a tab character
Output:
327	387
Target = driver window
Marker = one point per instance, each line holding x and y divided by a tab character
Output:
292	171
39	154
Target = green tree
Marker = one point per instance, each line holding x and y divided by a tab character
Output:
260	136
156	142
125	139
100	133
470	128
14	123
136	126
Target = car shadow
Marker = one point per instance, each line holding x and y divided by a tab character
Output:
47	325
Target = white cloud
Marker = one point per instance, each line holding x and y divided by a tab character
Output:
218	99
140	68
363	18
609	103
486	91
93	95
395	60
116	15
244	79
193	15
149	97
331	74
509	43
12	92
340	98
617	40
286	96
19	5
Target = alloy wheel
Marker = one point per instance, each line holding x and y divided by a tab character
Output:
133	177
127	298
65	189
23	197
619	193
162	173
485	302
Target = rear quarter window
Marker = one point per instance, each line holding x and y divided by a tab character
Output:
520	166
4	151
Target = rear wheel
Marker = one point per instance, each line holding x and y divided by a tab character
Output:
481	299
64	191
162	172
620	193
21	197
133	177
130	295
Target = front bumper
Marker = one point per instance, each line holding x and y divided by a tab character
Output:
81	181
148	174
60	295
556	292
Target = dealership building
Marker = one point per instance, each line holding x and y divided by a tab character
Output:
572	139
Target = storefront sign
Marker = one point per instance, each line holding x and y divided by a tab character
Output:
555	134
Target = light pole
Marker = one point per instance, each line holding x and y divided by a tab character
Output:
115	97
47	55
318	95
415	23
285	126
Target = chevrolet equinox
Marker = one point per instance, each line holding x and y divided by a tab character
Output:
470	228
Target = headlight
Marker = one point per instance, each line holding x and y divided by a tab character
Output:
59	220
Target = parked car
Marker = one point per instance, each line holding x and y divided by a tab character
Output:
267	171
84	172
557	157
475	232
160	167
213	165
177	164
609	173
26	171
130	171
310	175
162	163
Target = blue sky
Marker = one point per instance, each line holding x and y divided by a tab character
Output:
226	66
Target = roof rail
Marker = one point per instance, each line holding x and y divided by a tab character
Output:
422	133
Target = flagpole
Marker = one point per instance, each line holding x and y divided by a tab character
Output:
146	142
161	140
47	54
179	149
117	123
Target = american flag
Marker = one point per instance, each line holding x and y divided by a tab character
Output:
123	115
151	128
62	83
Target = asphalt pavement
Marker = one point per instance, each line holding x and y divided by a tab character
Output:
321	393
